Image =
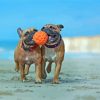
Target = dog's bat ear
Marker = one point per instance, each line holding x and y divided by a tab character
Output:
19	31
42	28
60	26
35	30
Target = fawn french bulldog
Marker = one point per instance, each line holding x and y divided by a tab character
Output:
53	50
26	53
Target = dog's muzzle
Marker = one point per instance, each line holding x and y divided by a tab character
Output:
52	35
28	47
29	40
28	44
54	38
49	31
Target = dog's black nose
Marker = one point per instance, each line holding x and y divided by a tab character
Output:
29	42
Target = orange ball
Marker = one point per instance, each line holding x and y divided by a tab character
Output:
40	37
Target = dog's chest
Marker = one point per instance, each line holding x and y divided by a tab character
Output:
50	54
29	59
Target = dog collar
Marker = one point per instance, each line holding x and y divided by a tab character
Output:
54	45
31	48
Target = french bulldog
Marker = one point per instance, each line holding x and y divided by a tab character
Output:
26	53
53	50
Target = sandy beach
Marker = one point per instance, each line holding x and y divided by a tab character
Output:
79	80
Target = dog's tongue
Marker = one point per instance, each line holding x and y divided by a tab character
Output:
51	39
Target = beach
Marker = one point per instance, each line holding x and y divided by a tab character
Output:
79	80
77	22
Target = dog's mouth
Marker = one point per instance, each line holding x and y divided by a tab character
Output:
28	43
53	36
29	39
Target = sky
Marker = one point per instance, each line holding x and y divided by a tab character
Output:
79	17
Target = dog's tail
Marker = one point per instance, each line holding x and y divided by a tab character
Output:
49	67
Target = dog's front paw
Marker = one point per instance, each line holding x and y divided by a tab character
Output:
23	80
38	81
55	81
44	76
16	69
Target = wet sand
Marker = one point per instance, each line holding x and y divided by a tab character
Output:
79	80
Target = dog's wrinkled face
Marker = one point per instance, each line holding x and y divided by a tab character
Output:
26	36
53	32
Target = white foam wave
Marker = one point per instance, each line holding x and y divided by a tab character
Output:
2	50
6	54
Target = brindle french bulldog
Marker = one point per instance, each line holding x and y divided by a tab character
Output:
27	53
53	50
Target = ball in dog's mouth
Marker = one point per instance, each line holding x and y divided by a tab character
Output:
40	37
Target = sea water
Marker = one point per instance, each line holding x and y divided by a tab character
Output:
7	48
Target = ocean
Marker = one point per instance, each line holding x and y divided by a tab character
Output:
7	51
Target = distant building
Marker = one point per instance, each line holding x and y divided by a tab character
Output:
83	44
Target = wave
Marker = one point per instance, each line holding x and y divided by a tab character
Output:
6	53
9	54
2	50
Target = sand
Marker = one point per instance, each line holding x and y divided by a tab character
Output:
79	80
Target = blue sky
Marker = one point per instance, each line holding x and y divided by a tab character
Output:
79	17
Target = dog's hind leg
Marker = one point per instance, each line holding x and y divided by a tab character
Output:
57	71
38	73
27	69
44	75
49	67
22	67
16	66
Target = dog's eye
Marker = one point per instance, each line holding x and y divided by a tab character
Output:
52	27
26	33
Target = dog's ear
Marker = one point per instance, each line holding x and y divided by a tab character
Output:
35	30
60	26
20	32
42	28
